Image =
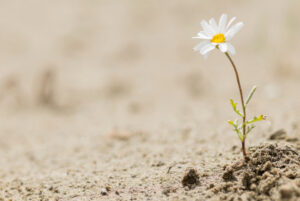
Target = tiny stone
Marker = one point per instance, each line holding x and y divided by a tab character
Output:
103	191
107	188
286	192
190	179
291	174
274	171
252	187
267	166
166	191
228	175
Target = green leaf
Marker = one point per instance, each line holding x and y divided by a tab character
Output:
249	129
237	128
250	95
255	119
233	104
239	134
230	122
233	123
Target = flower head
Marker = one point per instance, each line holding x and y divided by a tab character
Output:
217	36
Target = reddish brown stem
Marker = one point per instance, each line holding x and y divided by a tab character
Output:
244	149
242	101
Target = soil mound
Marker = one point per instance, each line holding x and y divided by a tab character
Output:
272	173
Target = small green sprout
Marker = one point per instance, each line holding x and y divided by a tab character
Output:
243	129
217	36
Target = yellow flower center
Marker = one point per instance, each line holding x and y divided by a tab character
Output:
219	38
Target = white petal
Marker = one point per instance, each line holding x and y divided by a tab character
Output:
206	55
214	25
202	35
207	48
230	22
207	28
223	47
222	23
201	45
233	30
231	49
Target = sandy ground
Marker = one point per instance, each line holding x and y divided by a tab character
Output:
105	100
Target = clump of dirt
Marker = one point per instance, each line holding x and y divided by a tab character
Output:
282	135
228	175
190	178
278	135
272	173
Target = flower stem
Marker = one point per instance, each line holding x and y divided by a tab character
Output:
242	101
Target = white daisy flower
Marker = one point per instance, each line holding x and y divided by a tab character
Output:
217	36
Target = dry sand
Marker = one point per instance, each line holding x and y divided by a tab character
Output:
105	100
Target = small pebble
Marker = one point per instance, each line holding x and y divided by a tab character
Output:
103	191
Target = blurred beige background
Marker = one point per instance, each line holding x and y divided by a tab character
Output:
72	72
